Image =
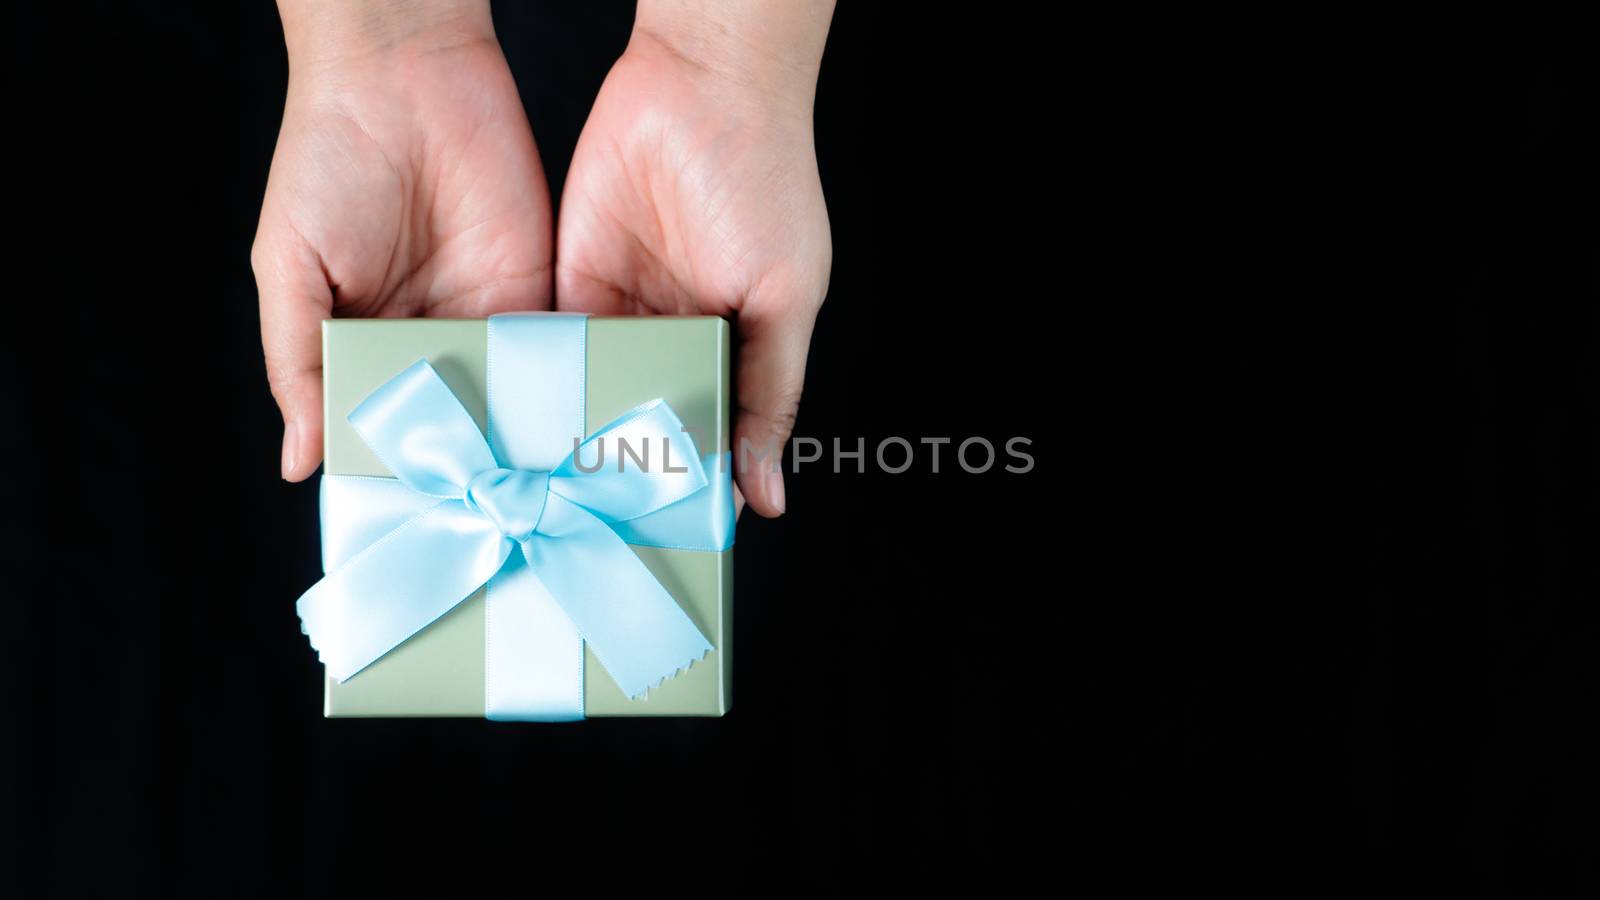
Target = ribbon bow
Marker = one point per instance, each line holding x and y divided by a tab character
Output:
546	542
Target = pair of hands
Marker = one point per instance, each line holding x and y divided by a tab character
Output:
406	182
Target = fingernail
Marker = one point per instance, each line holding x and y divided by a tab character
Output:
775	488
291	447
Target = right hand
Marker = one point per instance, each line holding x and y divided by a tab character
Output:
405	183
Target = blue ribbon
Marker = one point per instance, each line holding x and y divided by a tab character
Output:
544	519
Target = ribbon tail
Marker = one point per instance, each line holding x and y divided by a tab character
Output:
638	632
398	586
533	656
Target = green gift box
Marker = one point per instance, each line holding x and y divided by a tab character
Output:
440	670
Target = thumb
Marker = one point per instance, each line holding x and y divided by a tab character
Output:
295	298
774	340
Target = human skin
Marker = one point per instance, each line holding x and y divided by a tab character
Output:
406	183
694	189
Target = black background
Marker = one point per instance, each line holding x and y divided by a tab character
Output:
1368	655
1301	592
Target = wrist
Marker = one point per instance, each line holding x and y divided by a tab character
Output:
328	32
770	47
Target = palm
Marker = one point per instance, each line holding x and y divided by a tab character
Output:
404	184
684	197
416	189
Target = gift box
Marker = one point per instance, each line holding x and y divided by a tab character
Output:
536	373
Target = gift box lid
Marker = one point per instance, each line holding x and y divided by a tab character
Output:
440	671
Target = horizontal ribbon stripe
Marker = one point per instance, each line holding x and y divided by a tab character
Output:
359	509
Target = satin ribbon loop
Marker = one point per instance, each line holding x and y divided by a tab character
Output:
418	428
639	463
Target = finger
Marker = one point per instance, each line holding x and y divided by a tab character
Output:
579	290
592	255
522	293
520	282
295	298
774	340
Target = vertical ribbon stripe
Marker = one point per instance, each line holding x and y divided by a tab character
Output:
533	656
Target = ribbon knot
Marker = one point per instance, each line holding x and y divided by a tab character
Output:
513	499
